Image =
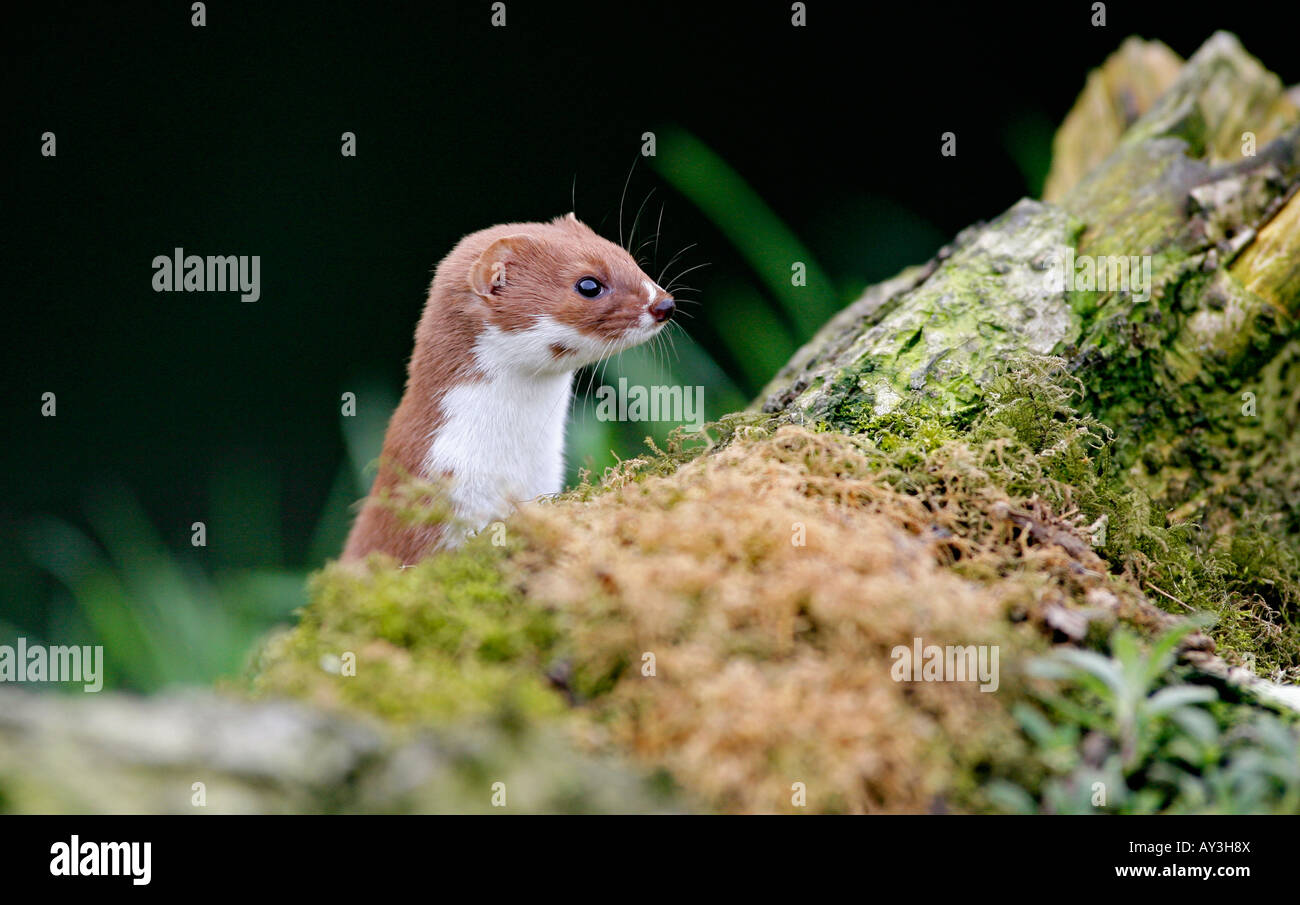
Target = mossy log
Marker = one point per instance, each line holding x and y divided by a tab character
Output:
1218	227
1190	169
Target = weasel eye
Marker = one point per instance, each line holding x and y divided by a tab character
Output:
589	287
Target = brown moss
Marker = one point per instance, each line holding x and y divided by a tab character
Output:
769	574
771	581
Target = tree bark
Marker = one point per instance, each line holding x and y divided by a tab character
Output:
1222	234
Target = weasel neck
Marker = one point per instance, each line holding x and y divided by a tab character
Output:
500	441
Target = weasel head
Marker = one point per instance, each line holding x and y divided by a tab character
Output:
556	295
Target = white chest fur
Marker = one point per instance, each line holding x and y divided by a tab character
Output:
502	437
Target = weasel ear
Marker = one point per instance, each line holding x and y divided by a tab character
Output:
491	272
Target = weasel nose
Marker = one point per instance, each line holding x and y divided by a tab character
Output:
663	309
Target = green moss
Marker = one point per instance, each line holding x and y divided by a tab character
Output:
680	447
1247	577
1034	437
453	637
1212	489
447	638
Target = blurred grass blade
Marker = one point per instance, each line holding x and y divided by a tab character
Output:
752	227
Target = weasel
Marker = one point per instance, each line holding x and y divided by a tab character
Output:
512	312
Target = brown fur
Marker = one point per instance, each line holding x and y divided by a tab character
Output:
504	275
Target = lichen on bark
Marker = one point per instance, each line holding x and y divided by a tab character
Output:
985	298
